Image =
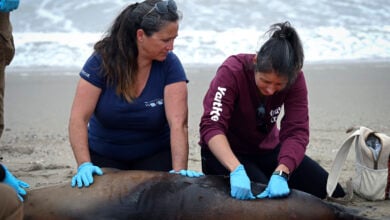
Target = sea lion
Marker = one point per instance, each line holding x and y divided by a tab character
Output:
160	195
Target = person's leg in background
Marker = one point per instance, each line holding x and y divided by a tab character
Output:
10	206
7	52
2	82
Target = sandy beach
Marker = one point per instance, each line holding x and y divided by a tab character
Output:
35	145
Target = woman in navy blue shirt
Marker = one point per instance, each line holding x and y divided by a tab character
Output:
130	109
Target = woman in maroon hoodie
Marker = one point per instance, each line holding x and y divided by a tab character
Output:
239	132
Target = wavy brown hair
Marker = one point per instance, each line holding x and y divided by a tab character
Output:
118	48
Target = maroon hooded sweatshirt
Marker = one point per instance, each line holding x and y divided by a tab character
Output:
230	108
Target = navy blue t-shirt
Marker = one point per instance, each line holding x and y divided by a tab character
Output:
122	130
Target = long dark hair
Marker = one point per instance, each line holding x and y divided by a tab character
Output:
281	53
118	48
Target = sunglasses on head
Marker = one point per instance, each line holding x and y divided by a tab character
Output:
163	7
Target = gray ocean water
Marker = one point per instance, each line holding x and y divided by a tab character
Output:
59	33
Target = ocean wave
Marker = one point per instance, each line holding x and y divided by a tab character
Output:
57	33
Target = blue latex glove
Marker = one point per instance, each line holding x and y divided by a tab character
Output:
277	187
189	173
84	175
15	183
240	184
8	5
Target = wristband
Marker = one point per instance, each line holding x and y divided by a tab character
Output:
281	173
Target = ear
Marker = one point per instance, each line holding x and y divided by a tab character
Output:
254	59
140	35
